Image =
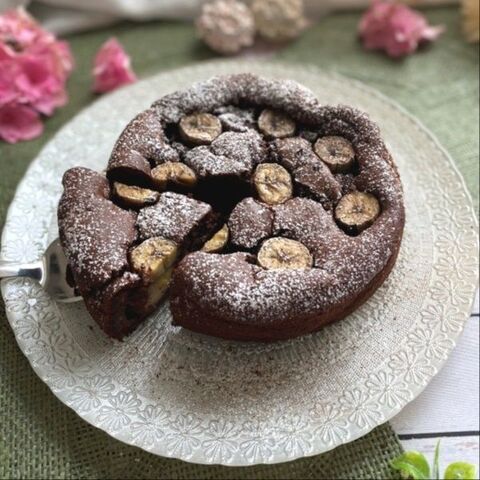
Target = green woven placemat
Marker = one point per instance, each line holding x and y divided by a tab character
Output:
40	437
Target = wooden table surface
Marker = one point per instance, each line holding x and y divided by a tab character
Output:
448	408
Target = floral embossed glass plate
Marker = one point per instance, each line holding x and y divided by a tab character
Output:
206	400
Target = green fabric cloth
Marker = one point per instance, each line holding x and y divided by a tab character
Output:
40	437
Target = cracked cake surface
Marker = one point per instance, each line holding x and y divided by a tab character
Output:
261	213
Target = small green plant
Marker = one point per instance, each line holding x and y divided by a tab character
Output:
414	465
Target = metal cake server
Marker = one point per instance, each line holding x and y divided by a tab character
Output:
50	272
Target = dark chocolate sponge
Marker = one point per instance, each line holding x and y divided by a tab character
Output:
231	293
96	235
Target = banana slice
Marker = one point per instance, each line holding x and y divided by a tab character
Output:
153	257
336	152
200	128
157	289
174	172
357	211
131	196
218	241
284	253
276	124
273	183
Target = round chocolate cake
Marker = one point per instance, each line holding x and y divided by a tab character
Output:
262	213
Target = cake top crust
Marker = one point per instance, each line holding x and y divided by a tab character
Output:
94	232
342	199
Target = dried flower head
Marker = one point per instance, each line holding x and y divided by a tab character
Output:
279	20
395	28
34	68
471	23
111	67
226	26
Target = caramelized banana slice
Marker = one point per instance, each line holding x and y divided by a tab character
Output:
157	289
273	183
336	152
153	257
131	196
356	211
217	242
174	172
276	124
200	128
281	252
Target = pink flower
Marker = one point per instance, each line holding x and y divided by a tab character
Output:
19	122
111	67
19	30
38	85
395	28
8	91
34	68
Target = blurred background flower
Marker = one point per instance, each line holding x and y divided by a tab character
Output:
471	22
395	28
34	68
226	26
111	67
35	65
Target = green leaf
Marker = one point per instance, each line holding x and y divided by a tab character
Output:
460	471
436	468
412	465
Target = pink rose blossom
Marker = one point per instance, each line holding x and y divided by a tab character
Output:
34	68
19	122
111	67
395	28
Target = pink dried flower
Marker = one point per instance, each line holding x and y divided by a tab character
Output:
34	68
19	30
111	67
395	28
37	85
19	122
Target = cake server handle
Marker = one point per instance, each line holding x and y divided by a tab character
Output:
34	270
50	272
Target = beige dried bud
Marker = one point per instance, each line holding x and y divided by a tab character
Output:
279	20
226	26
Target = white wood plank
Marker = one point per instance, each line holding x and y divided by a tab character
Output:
450	403
476	307
452	449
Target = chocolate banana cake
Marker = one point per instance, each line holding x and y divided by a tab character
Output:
261	213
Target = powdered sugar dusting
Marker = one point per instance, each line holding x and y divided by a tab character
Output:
207	164
232	153
235	118
245	147
94	232
249	223
174	217
231	287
